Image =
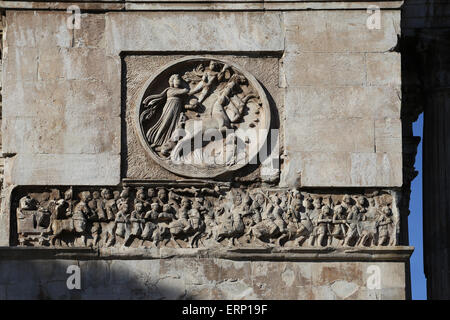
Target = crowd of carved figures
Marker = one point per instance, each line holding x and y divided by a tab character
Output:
204	217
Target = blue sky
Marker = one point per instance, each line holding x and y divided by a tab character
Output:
418	282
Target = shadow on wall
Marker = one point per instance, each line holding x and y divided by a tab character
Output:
99	279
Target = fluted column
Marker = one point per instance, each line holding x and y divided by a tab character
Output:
436	164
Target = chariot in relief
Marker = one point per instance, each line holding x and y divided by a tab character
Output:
202	117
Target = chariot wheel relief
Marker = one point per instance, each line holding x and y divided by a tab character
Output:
202	117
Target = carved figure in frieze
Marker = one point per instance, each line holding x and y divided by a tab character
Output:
75	223
151	195
121	224
142	198
369	232
124	197
339	224
162	197
109	204
27	203
257	207
196	221
136	221
361	203
314	216
383	223
150	224
347	203
232	226
27	215
267	230
324	226
353	232
181	228
297	222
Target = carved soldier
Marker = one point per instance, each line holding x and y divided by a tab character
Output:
96	206
141	197
109	204
162	197
121	221
338	222
383	223
167	214
182	226
277	213
149	222
323	224
347	203
124	197
80	213
151	195
305	227
295	206
353	219
369	225
314	216
257	208
136	219
361	203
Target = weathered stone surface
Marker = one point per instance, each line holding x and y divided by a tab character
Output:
66	135
329	135
367	102
388	135
64	169
316	69
148	279
334	89
340	31
63	97
383	69
340	169
152	31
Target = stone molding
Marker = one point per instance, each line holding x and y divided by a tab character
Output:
392	254
202	5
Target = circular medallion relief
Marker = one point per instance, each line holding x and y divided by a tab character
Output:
202	117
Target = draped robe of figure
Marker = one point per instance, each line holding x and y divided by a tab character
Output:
162	130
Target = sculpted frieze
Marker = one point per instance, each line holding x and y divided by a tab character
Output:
204	217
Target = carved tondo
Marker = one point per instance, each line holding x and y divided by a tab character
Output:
202	117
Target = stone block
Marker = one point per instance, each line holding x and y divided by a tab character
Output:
339	31
63	169
37	29
329	134
389	169
342	169
384	69
20	65
91	33
388	135
74	64
319	102
194	31
330	69
62	135
316	169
